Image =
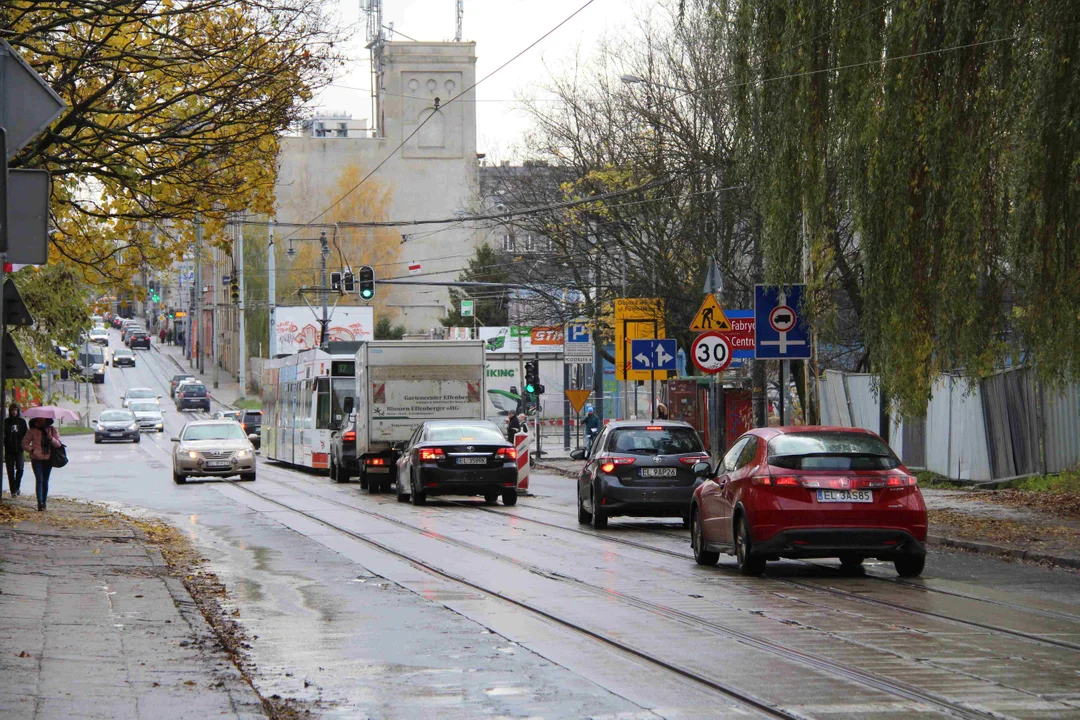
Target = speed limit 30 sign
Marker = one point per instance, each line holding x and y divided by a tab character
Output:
711	352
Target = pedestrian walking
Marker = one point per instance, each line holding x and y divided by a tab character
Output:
161	335
513	427
14	432
40	440
661	411
592	427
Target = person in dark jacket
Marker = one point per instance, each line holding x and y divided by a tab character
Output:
40	439
14	432
513	427
592	427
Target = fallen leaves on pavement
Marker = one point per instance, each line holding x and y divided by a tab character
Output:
996	531
1065	504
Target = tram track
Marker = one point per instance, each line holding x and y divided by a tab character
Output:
857	675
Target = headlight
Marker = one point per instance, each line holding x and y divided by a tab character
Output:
193	455
100	428
133	426
243	454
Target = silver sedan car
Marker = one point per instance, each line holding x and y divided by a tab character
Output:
212	448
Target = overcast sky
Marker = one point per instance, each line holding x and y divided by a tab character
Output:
500	28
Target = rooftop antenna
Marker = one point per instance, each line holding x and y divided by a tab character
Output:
376	43
460	15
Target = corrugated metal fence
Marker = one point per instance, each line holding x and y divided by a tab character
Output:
999	428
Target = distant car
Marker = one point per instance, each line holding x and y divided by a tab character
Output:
458	457
139	338
122	357
192	396
90	363
148	414
114	425
810	492
640	469
130	332
212	448
176	380
251	421
138	393
99	335
226	415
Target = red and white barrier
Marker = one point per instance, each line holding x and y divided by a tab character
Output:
522	442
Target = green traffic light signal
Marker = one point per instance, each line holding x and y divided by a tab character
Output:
530	388
366	278
366	293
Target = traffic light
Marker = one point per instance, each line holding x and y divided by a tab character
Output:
532	377
234	290
347	283
335	281
152	292
367	283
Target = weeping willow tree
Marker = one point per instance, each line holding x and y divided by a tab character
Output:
918	161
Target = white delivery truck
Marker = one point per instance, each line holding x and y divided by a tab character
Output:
399	385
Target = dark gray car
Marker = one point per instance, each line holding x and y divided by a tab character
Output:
116	426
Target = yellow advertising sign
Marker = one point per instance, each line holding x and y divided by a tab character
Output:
637	319
577	398
710	317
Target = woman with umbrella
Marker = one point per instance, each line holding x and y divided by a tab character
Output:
40	440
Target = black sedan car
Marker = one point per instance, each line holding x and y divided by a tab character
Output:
640	469
116	425
139	338
458	457
192	396
122	357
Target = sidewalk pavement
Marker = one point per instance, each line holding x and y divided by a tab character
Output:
228	390
966	520
93	623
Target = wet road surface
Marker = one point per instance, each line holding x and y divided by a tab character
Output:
375	608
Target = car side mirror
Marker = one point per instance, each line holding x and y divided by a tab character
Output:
578	454
174	439
253	437
347	405
702	469
335	425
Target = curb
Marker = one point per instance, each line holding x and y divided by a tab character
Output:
552	468
1002	551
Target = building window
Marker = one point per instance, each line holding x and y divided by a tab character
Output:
508	243
528	243
320	130
343	130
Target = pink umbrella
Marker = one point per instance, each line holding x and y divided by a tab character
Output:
51	411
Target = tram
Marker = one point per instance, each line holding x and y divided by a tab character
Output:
302	395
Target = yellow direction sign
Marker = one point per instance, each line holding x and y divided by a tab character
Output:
636	319
577	398
710	317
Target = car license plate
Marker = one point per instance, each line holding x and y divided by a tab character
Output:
657	472
848	496
218	464
115	434
472	461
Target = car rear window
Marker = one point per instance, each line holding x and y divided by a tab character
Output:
252	418
831	451
178	378
655	441
466	433
193	389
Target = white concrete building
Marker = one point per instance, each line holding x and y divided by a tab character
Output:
433	175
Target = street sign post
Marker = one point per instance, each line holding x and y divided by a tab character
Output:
711	352
28	105
710	317
779	332
577	345
466	308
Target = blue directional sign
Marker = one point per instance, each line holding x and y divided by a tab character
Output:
577	334
653	354
779	332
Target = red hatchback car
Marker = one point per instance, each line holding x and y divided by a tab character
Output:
810	492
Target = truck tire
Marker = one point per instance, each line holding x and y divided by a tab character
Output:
363	476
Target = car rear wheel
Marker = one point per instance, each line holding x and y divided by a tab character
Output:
509	497
909	565
599	517
584	517
750	565
491	497
702	556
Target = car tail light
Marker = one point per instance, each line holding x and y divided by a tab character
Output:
382	461
350	436
608	464
508	453
655	427
693	459
244	426
431	454
897	481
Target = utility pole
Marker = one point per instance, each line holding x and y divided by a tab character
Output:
217	315
324	340
271	268
196	345
240	281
